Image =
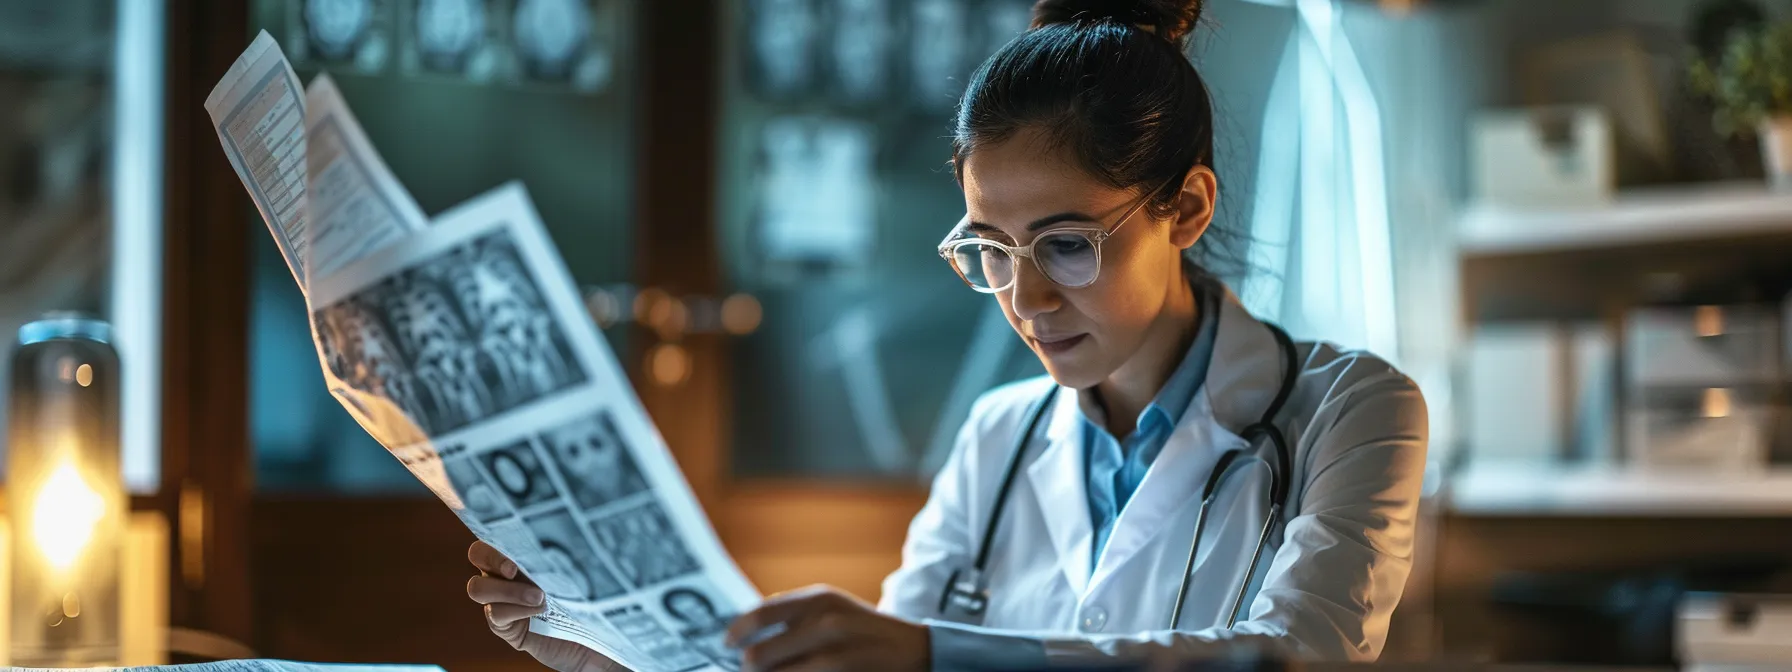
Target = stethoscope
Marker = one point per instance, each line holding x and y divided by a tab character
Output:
967	590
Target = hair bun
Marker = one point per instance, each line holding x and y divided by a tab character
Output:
1169	19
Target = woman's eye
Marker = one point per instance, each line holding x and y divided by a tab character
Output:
1066	244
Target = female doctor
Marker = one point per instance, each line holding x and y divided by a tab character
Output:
1188	482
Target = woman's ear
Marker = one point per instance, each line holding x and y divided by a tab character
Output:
1195	206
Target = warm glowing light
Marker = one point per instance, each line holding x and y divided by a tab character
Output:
646	299
1717	403
84	375
1708	321
741	314
669	317
669	364
64	516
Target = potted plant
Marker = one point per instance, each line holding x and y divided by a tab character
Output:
1750	86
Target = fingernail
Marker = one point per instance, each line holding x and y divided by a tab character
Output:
508	570
535	597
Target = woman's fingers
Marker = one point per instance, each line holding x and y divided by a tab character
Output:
503	615
835	659
799	643
782	608
493	590
490	561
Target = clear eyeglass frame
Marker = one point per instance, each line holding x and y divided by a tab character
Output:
958	238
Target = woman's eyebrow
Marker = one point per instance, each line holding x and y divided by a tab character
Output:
1037	224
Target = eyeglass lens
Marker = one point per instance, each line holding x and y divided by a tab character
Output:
1066	258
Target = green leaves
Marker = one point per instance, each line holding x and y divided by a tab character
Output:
1751	80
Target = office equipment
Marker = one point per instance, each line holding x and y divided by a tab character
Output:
1734	631
1699	385
1706	346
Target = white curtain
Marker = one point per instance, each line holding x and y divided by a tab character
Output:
1358	161
1322	255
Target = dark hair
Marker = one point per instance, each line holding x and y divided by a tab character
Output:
1105	79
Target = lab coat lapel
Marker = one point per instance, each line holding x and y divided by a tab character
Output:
1241	381
1171	488
1057	480
1247	368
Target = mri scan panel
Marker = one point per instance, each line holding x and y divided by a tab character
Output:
597	467
558	41
861	38
351	35
579	574
457	38
781	43
818	193
645	546
452	340
938	59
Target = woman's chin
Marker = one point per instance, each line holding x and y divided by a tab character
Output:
1077	376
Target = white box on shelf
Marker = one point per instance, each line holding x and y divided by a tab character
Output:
1543	156
1718	631
1706	346
1540	392
1514	405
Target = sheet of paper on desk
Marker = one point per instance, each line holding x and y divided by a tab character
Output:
464	347
264	665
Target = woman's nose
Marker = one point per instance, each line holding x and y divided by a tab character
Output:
1033	293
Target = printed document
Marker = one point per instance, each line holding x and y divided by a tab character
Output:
463	346
256	665
264	120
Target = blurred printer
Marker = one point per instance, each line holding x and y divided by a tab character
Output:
1734	632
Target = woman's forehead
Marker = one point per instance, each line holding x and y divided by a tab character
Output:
1021	179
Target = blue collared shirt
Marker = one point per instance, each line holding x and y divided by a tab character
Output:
1117	466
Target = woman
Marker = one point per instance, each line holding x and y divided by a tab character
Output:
1084	149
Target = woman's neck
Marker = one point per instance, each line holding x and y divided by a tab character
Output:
1131	388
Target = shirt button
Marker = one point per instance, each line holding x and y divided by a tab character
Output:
1094	618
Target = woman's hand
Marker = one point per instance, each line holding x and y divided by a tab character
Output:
510	600
826	629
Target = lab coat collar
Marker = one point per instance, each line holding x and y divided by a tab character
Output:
1057	480
1245	372
1247	368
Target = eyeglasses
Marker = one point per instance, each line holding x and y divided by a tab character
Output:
1070	257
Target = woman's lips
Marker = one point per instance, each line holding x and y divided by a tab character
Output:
1058	345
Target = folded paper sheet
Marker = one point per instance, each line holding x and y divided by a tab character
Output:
462	345
258	665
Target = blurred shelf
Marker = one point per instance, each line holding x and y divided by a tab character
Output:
1665	215
1572	490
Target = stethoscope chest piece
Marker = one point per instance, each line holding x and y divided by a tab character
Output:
967	594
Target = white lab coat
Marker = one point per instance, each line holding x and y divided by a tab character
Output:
1330	577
